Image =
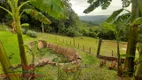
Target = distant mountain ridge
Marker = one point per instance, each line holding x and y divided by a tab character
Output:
97	19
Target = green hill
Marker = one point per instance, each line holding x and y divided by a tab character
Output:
96	19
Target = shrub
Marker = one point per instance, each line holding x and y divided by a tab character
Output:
25	27
92	34
85	32
24	31
72	32
3	27
31	34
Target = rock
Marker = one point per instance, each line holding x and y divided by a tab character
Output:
61	64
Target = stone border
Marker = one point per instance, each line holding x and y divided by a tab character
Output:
69	53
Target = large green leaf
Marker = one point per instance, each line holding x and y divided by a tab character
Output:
114	15
110	26
123	17
38	16
90	1
140	6
96	3
25	25
139	38
137	21
126	3
123	20
6	65
55	8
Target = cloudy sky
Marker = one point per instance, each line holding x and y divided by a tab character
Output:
80	5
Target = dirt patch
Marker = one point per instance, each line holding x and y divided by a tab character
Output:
69	53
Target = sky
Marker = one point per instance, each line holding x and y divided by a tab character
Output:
80	5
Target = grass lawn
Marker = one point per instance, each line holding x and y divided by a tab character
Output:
90	64
107	45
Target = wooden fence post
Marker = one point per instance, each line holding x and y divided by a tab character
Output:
58	39
67	42
73	42
112	53
78	45
89	49
83	48
55	37
70	43
99	46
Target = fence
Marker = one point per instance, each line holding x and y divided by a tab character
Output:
77	43
92	46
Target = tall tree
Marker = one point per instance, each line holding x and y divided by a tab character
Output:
52	7
6	64
117	26
131	47
138	71
132	40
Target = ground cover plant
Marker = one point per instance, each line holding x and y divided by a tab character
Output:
88	59
46	40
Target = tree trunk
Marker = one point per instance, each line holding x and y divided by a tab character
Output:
131	46
42	26
119	67
138	72
21	46
7	67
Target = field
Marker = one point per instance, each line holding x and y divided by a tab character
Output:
107	45
90	64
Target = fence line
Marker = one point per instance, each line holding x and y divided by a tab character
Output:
72	43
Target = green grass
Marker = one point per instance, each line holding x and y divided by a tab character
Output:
3	27
10	44
107	45
90	64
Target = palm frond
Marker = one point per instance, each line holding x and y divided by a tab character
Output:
96	3
38	16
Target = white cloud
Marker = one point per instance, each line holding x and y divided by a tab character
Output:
80	5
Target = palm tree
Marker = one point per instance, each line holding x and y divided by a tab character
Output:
51	7
136	12
132	39
117	25
6	64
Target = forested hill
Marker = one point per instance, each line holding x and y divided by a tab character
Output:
96	19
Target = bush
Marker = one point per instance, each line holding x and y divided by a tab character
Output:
3	27
92	34
25	27
72	32
89	32
24	31
85	32
31	34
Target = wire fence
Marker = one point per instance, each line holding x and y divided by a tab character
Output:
76	43
107	48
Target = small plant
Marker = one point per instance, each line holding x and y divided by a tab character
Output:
2	27
24	31
60	59
72	32
31	34
25	27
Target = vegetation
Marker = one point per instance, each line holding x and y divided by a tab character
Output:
90	61
15	14
133	29
24	21
31	33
